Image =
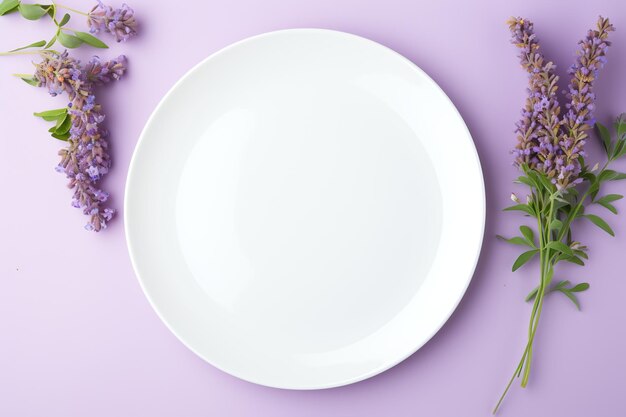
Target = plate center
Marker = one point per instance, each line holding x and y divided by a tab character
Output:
311	220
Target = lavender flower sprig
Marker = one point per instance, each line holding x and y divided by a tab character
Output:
118	22
85	160
537	131
550	153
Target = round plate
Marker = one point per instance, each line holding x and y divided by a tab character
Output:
304	209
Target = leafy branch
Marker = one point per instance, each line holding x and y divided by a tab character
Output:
69	38
555	210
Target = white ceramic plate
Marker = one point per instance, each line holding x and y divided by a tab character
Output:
305	209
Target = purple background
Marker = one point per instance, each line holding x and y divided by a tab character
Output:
78	337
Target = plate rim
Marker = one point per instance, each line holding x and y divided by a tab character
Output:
132	167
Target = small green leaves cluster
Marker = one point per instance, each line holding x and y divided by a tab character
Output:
564	287
614	148
573	252
62	122
67	37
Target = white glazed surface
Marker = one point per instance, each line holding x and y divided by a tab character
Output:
305	209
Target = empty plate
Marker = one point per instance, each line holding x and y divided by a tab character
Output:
304	209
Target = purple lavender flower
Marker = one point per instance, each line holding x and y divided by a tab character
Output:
101	72
579	118
536	130
120	22
86	159
547	142
55	73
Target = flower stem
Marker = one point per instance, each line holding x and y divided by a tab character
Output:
545	237
515	374
38	52
62	6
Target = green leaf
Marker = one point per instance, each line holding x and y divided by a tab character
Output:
581	254
54	118
523	258
620	126
521	207
30	80
583	286
32	45
556	224
526	180
610	175
532	175
598	221
622	151
90	39
619	149
607	175
64	127
531	295
528	234
609	198
561	247
562	287
60	120
65	136
562	205
50	113
589	176
571	297
32	11
575	260
517	240
547	183
64	20
610	207
605	136
8	6
541	180
559	285
69	41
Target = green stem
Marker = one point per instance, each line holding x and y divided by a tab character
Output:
534	323
572	216
38	52
508	386
62	6
543	227
545	239
542	262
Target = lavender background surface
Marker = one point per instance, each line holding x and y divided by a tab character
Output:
78	338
